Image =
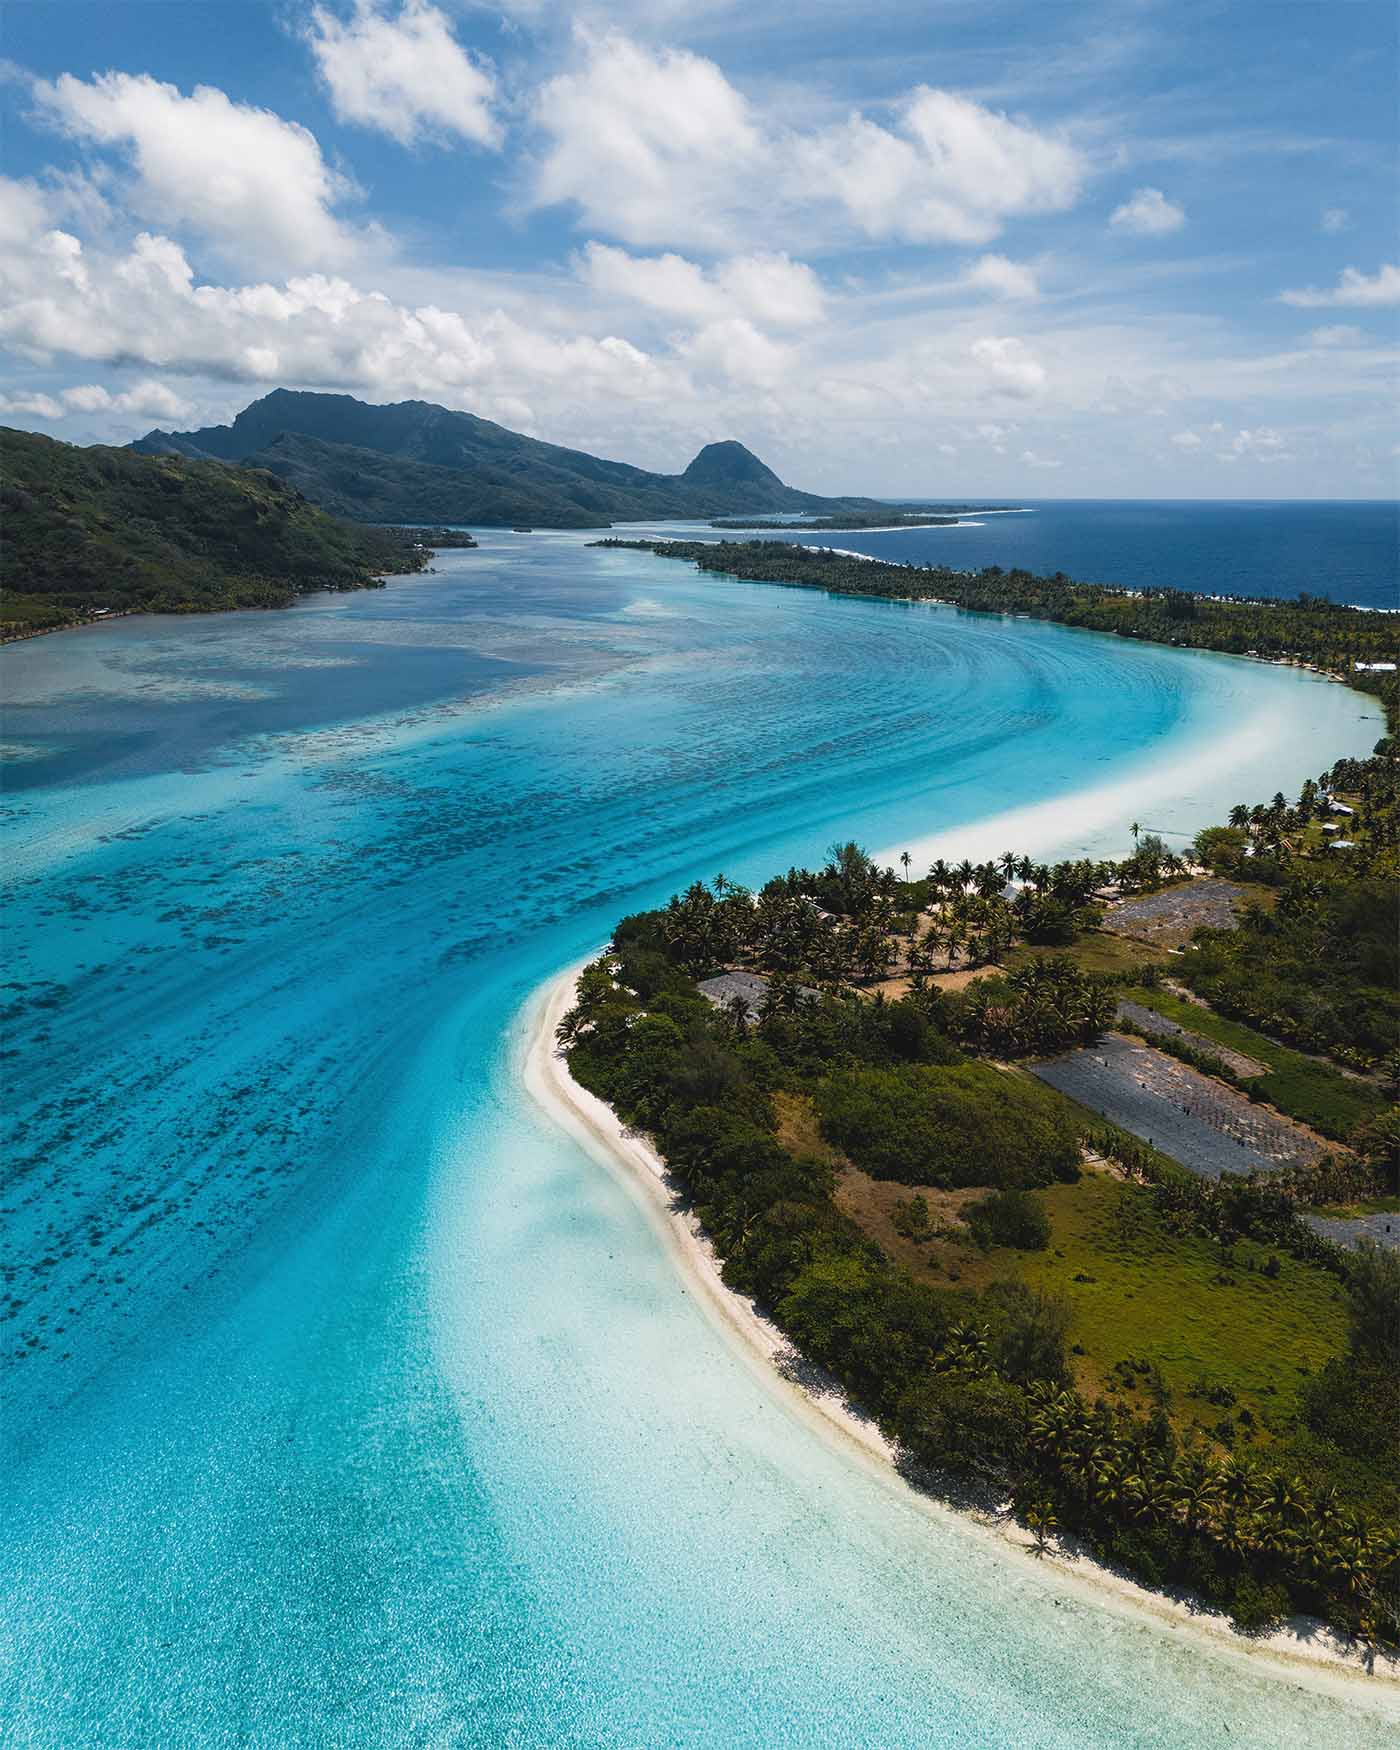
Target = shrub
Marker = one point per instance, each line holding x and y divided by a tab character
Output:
968	1124
1009	1218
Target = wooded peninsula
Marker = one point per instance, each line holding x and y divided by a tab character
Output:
1082	1179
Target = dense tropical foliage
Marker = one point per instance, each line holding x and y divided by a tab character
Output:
89	530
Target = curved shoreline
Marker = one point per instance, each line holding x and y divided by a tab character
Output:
1306	1653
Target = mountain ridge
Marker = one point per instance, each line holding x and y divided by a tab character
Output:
410	461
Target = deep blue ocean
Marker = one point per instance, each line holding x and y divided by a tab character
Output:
1349	552
347	1401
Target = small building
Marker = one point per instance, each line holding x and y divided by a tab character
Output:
1374	667
749	987
1341	844
1340	808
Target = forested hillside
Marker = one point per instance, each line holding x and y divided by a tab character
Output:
412	460
105	530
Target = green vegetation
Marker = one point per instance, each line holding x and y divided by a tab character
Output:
1321	969
1217	1328
1149	1358
101	530
958	1124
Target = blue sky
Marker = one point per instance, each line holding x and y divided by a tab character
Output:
954	248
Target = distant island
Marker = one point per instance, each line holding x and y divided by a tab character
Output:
414	462
861	520
91	533
892	517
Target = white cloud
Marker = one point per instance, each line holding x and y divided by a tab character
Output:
1148	214
659	147
772	290
150	398
734	349
254	184
1338	334
1010	365
1334	219
1032	460
1008	279
407	76
952	172
31	406
143	304
652	147
1186	440
1352	288
1261	445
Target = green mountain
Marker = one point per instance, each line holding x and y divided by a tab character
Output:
95	531
414	462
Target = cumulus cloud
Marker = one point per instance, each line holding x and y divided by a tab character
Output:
31	406
143	304
950	171
770	289
1352	288
1010	365
1008	279
1261	445
737	351
1148	214
254	184
1032	460
407	76
1334	219
656	146
150	398
1186	440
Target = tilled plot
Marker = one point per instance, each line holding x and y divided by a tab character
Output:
1198	1121
1144	1020
1350	1230
1169	918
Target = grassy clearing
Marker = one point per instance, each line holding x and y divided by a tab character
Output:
1098	951
1314	1093
1204	1321
1174	1300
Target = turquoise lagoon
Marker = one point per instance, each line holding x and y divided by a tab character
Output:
349	1402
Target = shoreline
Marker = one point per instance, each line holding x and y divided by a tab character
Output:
1302	1652
1091	821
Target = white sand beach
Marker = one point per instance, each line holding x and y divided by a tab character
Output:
1302	1652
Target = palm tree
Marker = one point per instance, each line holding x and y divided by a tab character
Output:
1135	829
1041	1521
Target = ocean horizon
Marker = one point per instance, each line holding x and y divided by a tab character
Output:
1345	549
